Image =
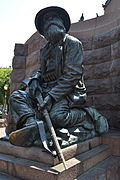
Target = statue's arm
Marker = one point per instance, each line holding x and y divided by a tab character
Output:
26	82
72	73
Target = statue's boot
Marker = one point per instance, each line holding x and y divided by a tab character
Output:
24	136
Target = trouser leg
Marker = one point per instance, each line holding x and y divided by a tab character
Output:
24	115
63	116
21	107
100	122
89	118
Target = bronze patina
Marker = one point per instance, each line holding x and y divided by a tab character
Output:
60	81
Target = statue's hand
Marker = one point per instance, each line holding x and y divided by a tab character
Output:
33	87
47	103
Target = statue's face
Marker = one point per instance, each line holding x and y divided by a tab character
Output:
54	30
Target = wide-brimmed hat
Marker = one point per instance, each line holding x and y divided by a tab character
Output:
62	13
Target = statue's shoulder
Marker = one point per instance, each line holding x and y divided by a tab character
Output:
71	40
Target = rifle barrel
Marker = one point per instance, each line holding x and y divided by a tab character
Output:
56	143
52	131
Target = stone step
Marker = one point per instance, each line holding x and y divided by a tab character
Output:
107	169
29	170
4	176
83	162
39	154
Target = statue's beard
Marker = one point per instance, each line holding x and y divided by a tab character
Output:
55	34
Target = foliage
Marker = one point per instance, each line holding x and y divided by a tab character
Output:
4	79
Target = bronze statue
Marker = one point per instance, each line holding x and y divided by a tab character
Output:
60	81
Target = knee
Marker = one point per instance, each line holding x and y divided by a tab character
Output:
101	125
58	119
17	95
13	95
59	113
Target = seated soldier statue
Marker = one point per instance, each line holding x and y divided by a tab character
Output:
60	81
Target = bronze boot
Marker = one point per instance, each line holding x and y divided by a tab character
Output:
25	136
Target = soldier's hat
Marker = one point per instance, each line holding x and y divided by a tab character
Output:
60	12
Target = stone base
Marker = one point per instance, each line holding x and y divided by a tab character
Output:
113	140
105	170
4	176
39	154
29	170
91	156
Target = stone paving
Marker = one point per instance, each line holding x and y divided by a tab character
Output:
2	130
2	127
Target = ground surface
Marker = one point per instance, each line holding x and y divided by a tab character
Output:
2	128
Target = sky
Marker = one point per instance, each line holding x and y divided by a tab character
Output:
17	20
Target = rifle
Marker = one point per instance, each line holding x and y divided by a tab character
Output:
51	129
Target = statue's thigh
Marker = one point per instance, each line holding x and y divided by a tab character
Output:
18	96
64	116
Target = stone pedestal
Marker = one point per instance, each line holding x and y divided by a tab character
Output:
90	159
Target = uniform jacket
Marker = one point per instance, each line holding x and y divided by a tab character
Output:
61	72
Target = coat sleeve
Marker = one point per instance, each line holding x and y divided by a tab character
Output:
72	72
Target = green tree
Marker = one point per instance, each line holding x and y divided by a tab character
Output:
4	79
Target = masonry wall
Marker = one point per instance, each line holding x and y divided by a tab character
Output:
102	73
35	43
113	6
101	41
18	65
